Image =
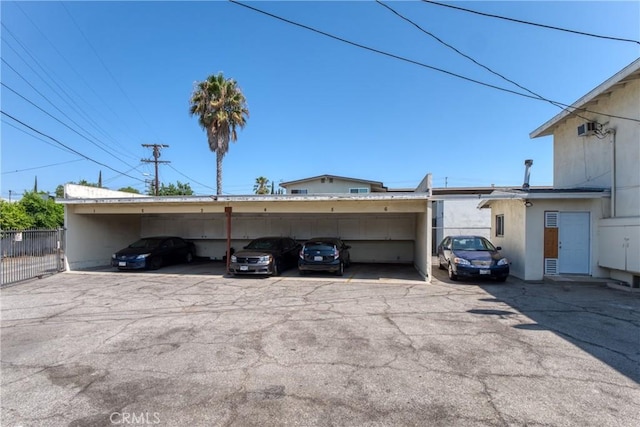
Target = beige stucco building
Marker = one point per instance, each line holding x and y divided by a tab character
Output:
589	222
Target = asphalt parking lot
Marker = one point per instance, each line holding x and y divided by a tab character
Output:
377	347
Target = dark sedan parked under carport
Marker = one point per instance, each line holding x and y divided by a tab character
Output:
153	252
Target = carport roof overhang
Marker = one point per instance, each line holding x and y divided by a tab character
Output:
546	194
327	203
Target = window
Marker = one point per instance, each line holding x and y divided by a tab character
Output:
299	191
499	225
358	190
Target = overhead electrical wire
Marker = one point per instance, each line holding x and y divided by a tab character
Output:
519	21
37	137
66	146
421	64
42	167
63	123
56	80
439	40
54	106
107	69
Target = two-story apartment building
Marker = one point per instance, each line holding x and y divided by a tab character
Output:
589	222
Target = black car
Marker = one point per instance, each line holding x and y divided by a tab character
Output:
153	252
324	254
266	255
472	256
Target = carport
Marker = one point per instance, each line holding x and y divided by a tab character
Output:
380	227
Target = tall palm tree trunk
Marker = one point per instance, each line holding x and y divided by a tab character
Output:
219	156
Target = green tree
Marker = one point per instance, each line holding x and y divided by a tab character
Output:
129	190
42	209
179	189
221	108
14	217
261	186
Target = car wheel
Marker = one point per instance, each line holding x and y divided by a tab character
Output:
440	266
340	271
452	274
501	279
189	258
155	263
275	270
302	272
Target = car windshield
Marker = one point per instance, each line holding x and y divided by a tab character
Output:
146	244
472	244
319	246
263	244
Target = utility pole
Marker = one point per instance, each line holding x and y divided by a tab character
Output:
156	155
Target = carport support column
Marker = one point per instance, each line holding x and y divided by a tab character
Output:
227	211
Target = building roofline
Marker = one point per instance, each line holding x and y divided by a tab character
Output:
630	72
546	194
375	183
249	198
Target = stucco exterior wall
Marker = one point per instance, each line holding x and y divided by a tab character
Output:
327	187
513	242
523	240
587	161
91	239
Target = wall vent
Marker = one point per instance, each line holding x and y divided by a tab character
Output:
551	266
551	219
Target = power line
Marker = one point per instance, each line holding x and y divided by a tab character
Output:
519	21
66	146
36	137
106	68
42	167
542	98
50	74
63	123
421	64
50	102
191	179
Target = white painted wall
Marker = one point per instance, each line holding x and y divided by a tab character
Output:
337	186
91	239
513	243
461	216
75	191
587	161
523	241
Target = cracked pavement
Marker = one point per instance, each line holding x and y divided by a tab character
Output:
109	348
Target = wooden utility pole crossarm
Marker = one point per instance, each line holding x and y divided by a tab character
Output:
156	155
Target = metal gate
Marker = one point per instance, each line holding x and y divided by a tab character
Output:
27	254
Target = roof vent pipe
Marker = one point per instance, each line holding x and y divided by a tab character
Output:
527	173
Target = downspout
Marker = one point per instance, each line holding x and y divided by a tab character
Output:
612	132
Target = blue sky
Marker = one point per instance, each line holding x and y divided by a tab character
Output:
116	75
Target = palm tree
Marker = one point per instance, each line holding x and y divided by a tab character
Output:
261	185
221	108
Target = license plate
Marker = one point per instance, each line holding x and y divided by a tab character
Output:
485	271
317	258
122	264
244	268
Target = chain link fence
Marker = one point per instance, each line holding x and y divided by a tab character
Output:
27	254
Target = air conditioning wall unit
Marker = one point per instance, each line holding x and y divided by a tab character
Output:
587	129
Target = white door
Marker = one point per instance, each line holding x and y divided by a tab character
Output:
573	242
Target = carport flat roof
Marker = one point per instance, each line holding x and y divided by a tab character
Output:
334	203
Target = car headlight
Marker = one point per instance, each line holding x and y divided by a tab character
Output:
503	261
265	259
234	258
461	261
142	256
